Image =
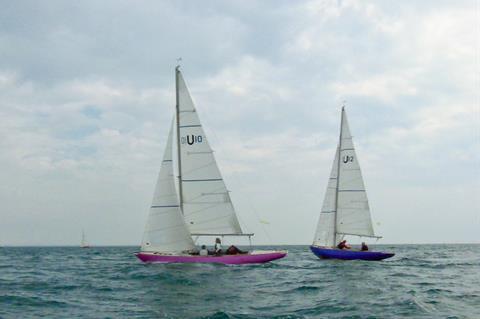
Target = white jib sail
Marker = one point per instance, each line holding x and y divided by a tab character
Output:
325	226
166	230
353	211
207	207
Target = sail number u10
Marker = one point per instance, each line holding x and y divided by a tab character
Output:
191	139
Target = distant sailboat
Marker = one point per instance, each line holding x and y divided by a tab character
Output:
345	208
202	207
84	243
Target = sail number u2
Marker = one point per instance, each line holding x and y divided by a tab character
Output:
347	158
191	139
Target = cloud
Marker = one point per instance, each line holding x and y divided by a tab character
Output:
87	95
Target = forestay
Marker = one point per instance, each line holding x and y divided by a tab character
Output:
207	207
166	230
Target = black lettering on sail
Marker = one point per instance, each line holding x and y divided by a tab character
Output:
188	139
347	159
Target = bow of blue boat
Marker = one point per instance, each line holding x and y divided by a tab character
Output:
346	254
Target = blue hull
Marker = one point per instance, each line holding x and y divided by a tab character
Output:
345	254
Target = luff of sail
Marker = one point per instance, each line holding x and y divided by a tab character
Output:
166	230
207	207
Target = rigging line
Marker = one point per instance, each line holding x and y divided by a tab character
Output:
163	206
162	213
165	243
201	194
197	168
250	204
201	210
165	228
203	180
213	219
216	202
167	195
238	217
187	126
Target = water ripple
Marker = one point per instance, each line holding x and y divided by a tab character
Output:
422	281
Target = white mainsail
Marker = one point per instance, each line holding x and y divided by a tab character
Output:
206	203
353	211
345	208
166	230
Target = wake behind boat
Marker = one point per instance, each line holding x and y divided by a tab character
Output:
203	206
345	208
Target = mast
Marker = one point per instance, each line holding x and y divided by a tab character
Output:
338	179
179	161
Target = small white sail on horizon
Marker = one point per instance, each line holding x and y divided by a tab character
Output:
345	208
84	243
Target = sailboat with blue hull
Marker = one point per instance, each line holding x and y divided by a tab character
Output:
345	209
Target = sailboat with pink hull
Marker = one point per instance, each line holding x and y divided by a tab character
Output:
202	207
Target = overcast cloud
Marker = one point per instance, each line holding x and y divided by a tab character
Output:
87	94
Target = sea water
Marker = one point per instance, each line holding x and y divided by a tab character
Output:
421	281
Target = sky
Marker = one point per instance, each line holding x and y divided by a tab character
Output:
87	95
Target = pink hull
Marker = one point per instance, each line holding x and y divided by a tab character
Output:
257	258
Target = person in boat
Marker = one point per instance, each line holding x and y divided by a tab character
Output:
364	247
233	250
343	245
218	247
203	251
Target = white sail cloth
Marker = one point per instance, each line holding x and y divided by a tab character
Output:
166	230
345	204
326	221
207	207
353	211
